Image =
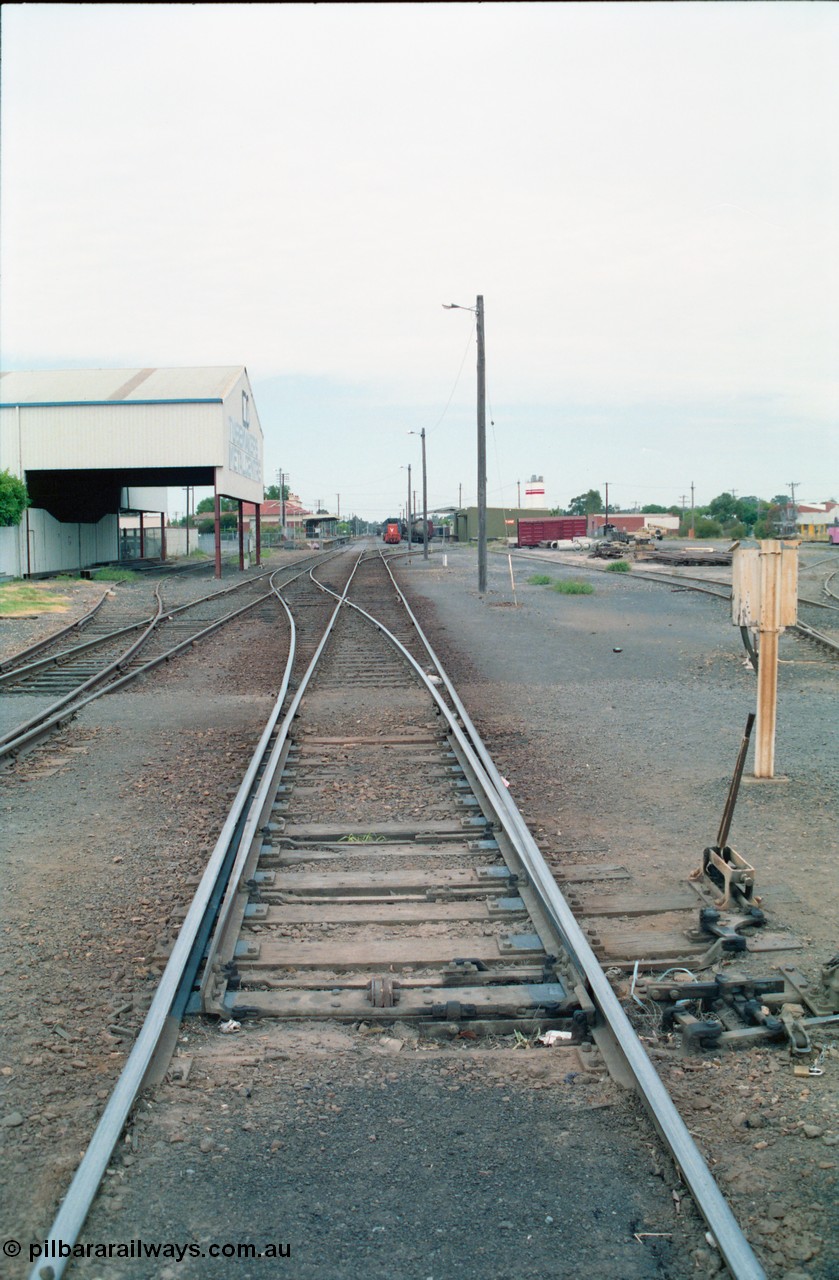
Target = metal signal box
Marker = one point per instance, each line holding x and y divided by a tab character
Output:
764	586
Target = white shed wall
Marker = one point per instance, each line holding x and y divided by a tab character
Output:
10	459
140	499
55	547
122	435
10	552
241	473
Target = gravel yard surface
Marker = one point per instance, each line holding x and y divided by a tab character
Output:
617	718
620	756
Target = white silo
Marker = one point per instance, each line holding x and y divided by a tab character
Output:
534	492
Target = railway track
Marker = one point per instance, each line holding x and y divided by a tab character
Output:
374	867
123	643
826	643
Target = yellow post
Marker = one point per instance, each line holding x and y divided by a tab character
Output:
767	670
765	599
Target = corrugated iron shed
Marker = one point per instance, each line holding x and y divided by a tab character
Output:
99	386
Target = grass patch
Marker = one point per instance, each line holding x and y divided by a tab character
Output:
114	575
618	566
539	580
22	599
570	587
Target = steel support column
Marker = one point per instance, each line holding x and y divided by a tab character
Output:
241	524
217	527
258	510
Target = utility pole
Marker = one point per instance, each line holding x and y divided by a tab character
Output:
518	491
606	521
339	505
793	484
282	503
482	444
408	508
692	513
459	496
424	500
482	449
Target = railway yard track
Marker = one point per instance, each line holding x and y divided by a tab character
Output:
374	871
121	643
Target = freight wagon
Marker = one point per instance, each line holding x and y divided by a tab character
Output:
536	533
417	531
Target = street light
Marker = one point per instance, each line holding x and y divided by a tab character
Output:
408	508
421	435
478	312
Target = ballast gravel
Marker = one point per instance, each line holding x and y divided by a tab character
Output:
627	763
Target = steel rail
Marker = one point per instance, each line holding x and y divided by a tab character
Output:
82	1190
67	707
689	585
666	578
41	725
40	645
65	656
267	787
732	1243
20	731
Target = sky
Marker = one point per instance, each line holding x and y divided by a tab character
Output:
645	195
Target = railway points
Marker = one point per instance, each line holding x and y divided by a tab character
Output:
359	844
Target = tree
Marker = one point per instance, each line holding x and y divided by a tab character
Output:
229	520
208	505
14	500
585	504
723	508
653	509
273	493
704	527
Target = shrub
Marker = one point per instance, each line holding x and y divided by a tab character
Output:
539	580
618	566
13	500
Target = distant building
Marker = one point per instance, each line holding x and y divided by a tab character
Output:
271	513
813	519
632	521
534	493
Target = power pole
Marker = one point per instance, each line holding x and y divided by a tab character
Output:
518	491
482	444
606	521
408	508
459	496
339	505
482	449
793	485
424	500
692	513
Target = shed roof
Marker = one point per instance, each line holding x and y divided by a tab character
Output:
103	386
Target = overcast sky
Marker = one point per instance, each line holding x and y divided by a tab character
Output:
646	195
